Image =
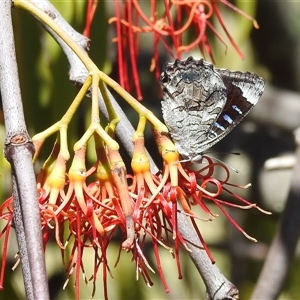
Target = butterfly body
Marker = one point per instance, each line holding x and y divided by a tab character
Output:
202	104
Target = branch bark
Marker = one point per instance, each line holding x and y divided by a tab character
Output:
218	287
18	151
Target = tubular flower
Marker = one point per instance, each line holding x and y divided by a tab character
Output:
171	23
87	216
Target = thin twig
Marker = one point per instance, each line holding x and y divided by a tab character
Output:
19	151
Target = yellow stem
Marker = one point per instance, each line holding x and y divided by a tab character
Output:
46	133
140	128
47	20
95	102
136	105
96	127
95	121
64	152
111	143
65	120
114	119
92	68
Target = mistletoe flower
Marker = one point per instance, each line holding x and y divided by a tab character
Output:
94	212
178	26
144	206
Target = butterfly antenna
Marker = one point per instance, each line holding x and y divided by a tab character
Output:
228	166
233	153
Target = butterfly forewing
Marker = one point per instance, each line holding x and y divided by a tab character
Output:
243	92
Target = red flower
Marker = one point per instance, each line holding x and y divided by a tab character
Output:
143	206
176	25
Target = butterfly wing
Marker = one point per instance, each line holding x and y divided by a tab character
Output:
243	92
194	96
202	104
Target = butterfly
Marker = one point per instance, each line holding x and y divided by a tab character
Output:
202	104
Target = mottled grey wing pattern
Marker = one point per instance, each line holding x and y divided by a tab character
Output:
202	104
193	97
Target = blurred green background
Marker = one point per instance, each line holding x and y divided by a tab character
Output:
271	51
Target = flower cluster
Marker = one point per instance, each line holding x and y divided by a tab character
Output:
142	205
176	25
